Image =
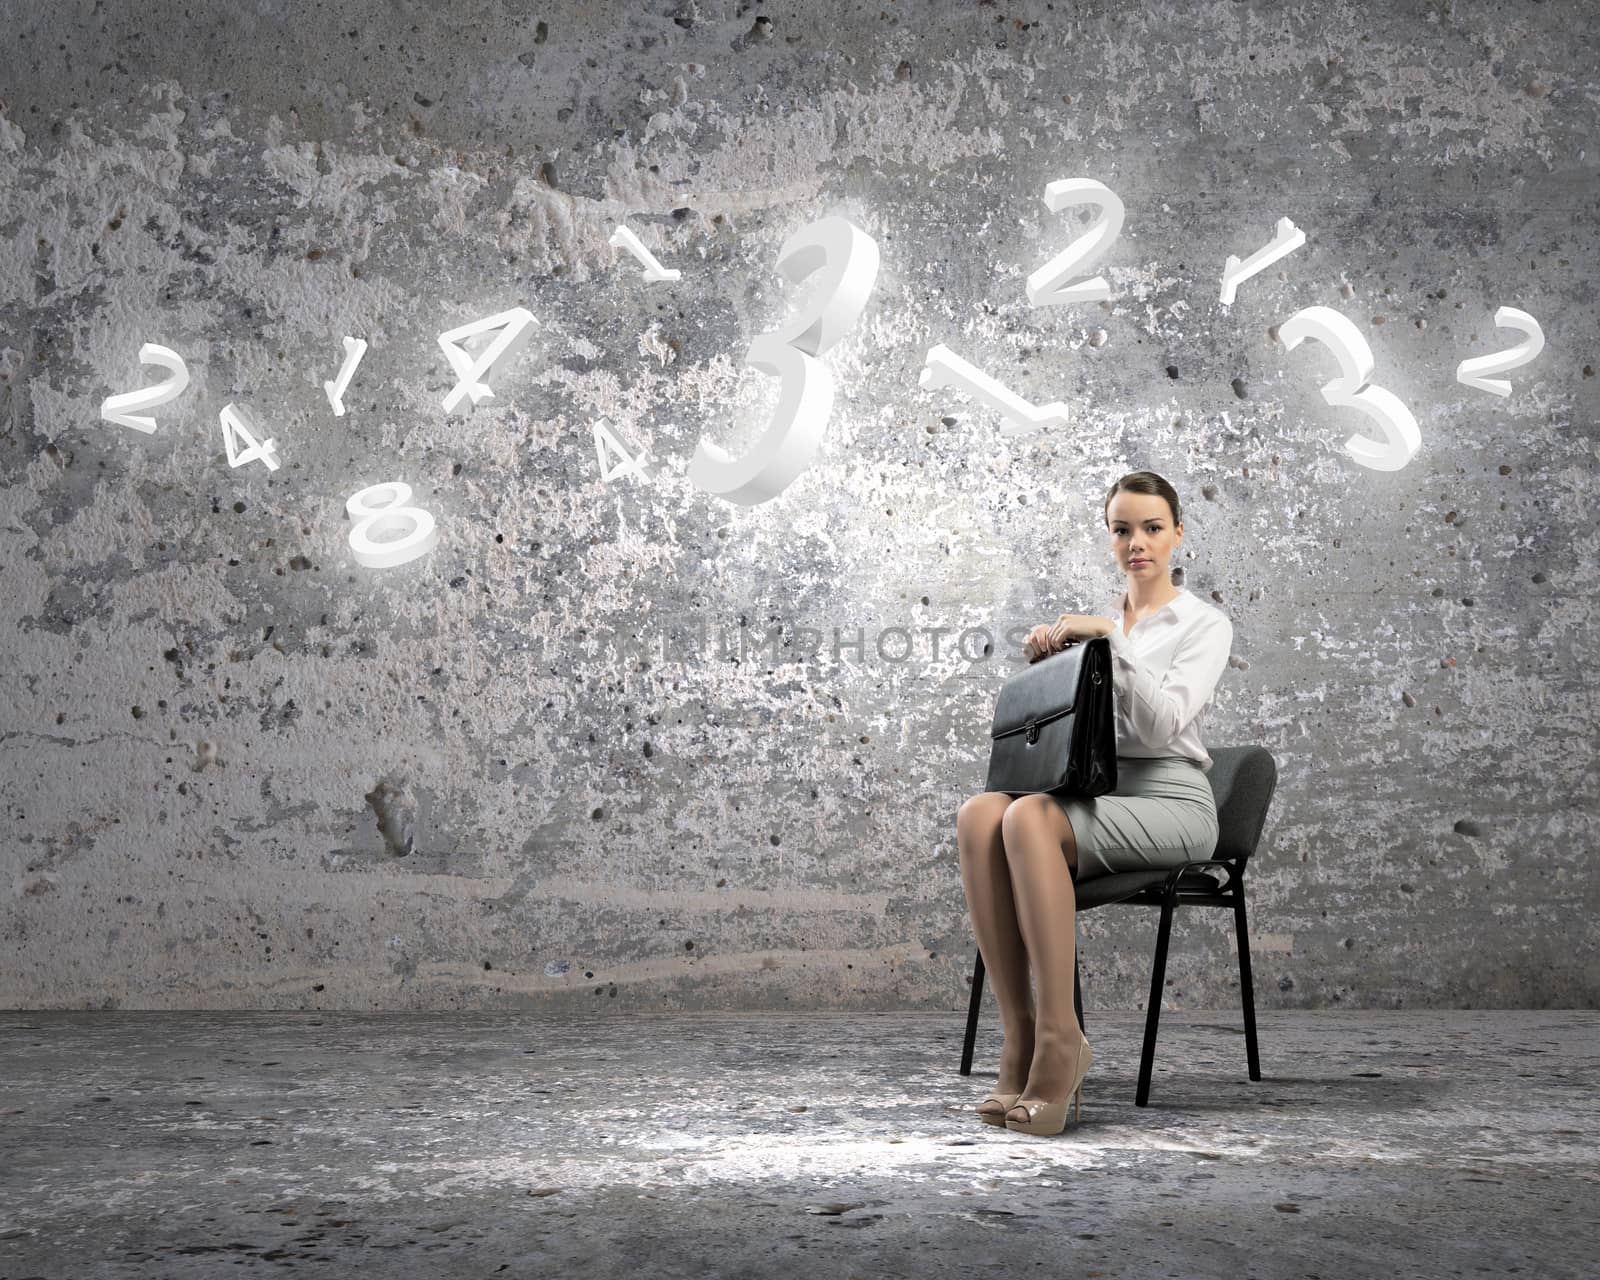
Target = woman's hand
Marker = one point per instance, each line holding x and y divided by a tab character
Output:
1039	643
1071	627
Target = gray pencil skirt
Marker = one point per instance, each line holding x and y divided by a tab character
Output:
1162	814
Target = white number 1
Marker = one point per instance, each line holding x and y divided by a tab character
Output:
1286	238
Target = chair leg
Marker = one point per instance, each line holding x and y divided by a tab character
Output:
975	1004
1077	993
1153	1013
1246	986
972	1015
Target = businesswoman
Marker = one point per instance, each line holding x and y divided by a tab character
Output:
1021	853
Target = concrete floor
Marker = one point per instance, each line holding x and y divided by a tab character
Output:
1384	1143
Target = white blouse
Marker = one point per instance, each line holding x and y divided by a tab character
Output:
1164	672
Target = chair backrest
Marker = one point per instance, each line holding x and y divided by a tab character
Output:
1243	780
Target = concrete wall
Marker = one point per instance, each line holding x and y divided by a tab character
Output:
242	770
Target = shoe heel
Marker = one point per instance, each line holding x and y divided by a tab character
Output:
1085	1059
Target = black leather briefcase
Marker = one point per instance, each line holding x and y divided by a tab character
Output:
1054	725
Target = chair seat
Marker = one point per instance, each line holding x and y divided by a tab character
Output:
1119	886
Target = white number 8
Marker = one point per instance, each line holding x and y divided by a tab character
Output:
372	514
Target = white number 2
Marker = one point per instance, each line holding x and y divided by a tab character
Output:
845	260
1401	439
1045	287
372	514
120	407
1475	372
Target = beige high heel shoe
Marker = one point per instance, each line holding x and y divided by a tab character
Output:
1006	1101
1045	1119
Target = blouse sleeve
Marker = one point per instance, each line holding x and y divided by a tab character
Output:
1158	705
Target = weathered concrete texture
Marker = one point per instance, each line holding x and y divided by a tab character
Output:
239	770
1377	1144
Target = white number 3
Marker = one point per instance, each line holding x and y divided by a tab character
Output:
1401	439
847	259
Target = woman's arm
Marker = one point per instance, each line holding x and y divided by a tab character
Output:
1160	708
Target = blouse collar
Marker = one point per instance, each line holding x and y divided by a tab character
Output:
1120	594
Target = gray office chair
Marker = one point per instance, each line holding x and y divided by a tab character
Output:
1243	780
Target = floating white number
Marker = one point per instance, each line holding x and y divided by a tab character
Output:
381	508
236	426
604	438
1285	241
844	259
944	368
623	238
1045	286
120	407
516	327
1401	439
1474	372
354	349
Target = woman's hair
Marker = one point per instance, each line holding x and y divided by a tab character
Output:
1143	482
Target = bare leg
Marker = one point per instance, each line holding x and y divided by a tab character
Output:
987	880
1042	853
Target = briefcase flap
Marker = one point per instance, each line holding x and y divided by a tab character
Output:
1044	692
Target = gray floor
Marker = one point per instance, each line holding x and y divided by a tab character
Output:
1377	1143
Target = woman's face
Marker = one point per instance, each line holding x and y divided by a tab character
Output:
1141	529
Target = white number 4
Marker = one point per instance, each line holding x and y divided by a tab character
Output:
236	427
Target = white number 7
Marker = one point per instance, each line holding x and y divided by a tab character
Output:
515	326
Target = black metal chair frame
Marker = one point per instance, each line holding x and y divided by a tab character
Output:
1189	885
